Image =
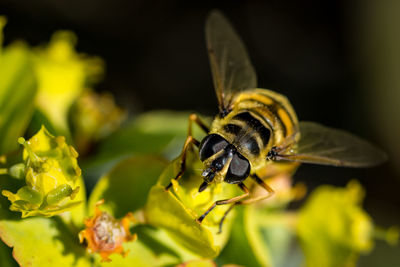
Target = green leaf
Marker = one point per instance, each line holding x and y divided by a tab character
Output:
137	138
155	133
152	249
262	237
41	242
17	95
238	250
271	236
176	210
125	188
149	133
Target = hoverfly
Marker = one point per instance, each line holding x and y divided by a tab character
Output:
258	128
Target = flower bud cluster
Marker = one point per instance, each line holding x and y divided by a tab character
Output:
50	170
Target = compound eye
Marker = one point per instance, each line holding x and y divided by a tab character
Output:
210	145
239	169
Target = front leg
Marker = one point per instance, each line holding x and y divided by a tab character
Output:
193	118
189	140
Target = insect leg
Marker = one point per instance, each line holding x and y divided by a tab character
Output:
226	214
226	201
260	182
194	118
189	141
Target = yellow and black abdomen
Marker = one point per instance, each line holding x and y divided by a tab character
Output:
259	119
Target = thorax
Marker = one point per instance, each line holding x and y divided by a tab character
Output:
259	119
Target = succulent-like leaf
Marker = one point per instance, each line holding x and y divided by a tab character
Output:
238	250
41	241
17	95
126	187
152	249
176	210
271	236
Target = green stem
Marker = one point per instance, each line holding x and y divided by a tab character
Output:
390	235
33	157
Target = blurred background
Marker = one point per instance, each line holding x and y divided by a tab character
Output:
338	62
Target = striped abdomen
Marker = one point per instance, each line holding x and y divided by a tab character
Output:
259	120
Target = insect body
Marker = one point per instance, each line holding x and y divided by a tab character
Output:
258	120
258	128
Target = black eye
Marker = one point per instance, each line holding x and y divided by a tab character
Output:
210	145
238	170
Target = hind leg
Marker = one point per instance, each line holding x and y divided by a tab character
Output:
250	200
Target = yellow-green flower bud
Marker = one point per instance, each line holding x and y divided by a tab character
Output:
17	171
50	169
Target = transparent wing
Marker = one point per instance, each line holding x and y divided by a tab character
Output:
323	145
231	68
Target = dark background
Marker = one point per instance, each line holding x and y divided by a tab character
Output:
327	57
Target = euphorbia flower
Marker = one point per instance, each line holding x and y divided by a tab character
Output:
94	116
105	235
333	228
50	170
63	74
